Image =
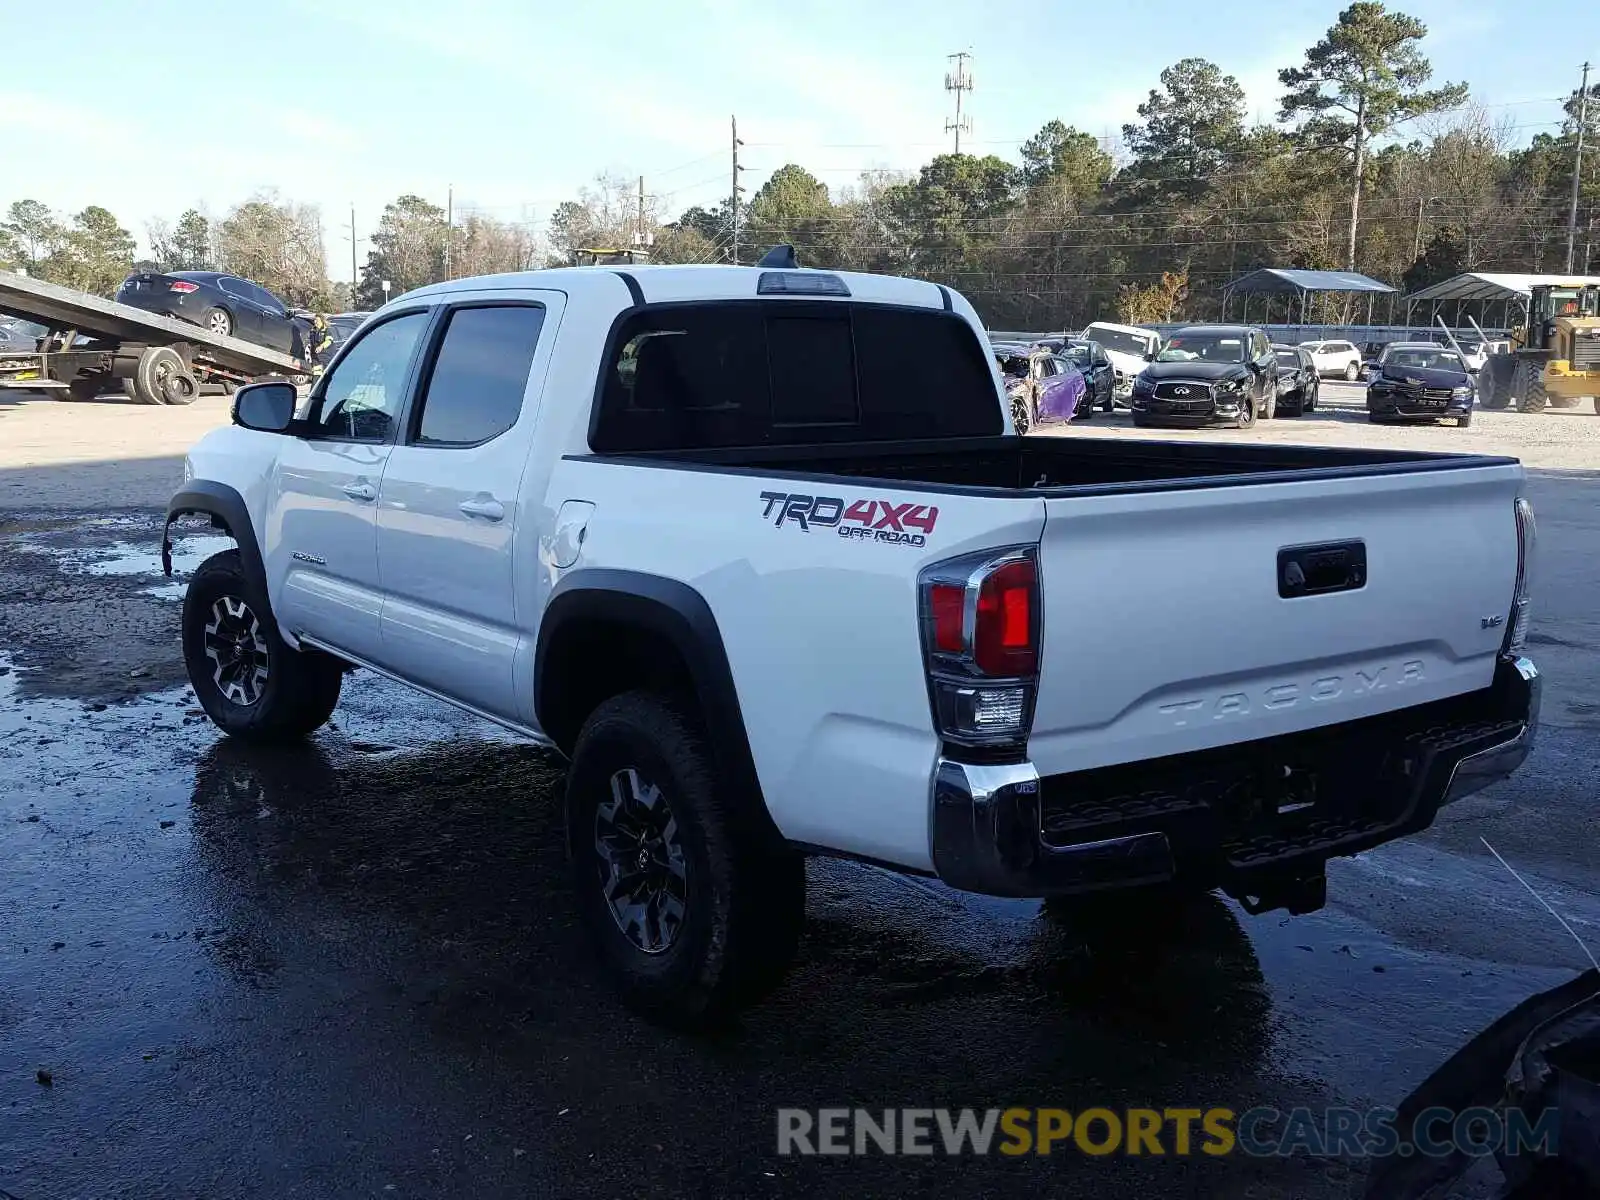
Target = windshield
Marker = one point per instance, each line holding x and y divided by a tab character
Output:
1116	339
1425	360
1076	353
1288	358
1012	364
1204	347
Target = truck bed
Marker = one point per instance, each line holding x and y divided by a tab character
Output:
1048	465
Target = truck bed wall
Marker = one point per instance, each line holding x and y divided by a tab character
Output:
1049	463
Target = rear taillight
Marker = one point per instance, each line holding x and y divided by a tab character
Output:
183	286
980	636
1521	599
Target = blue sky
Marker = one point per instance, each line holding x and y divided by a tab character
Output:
517	105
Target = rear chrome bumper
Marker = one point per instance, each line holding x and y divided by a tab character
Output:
988	835
1477	771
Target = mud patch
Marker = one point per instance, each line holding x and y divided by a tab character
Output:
85	608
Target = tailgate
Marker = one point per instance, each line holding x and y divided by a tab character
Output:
1165	631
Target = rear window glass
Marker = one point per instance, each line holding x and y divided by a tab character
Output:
750	373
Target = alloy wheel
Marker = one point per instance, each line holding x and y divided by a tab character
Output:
238	651
643	870
220	324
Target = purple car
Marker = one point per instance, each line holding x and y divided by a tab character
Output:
1042	387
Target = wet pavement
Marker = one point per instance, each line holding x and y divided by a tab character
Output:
351	969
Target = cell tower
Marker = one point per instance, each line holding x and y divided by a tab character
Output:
958	80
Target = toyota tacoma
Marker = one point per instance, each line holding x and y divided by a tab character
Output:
756	550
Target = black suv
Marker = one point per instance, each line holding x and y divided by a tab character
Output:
1207	375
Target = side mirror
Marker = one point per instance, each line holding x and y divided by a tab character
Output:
265	407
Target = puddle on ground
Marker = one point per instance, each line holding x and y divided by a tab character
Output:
134	558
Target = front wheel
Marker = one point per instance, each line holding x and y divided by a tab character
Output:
1352	372
246	678
1247	412
1464	421
690	901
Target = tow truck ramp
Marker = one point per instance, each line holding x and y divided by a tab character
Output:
93	343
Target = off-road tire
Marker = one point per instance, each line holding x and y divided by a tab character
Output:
301	687
1528	387
744	892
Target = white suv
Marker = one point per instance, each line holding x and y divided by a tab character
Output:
1335	358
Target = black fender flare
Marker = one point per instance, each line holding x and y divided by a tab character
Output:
227	509
678	614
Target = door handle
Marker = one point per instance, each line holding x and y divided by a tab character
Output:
360	491
489	509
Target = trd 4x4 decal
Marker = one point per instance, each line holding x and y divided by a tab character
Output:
906	524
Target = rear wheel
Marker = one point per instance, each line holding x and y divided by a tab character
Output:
162	377
246	678
693	909
1565	401
132	390
218	321
1528	388
87	388
1352	372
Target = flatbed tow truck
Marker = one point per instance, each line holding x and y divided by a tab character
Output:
93	343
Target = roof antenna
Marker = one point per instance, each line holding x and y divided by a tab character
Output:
780	257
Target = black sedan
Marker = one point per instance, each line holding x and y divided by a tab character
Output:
1089	357
1421	382
221	303
1298	381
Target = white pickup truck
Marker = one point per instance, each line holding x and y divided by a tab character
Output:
754	548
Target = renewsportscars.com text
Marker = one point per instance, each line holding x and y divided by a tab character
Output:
1258	1132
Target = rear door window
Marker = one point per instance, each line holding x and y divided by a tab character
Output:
474	390
751	373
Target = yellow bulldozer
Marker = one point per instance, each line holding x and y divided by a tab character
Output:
1555	358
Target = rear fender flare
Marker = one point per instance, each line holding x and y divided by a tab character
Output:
679	615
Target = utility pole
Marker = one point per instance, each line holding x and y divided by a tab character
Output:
958	81
449	226
733	197
354	281
639	237
1416	242
1577	167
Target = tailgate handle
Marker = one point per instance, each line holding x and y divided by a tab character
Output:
1319	570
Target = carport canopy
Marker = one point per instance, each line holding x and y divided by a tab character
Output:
1480	290
1301	284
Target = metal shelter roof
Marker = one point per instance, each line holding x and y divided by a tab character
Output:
1278	279
1485	286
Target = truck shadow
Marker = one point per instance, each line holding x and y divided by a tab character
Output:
457	851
